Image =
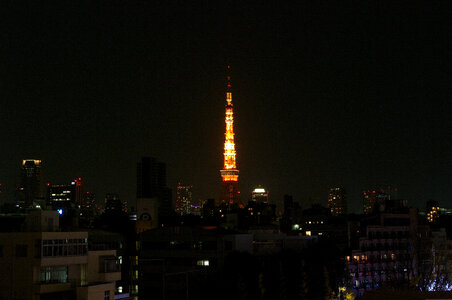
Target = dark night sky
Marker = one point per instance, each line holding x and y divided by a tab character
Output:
325	93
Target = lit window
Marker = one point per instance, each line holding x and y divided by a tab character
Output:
203	263
308	233
119	289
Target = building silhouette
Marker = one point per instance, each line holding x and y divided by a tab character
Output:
151	184
79	196
184	199
337	201
380	199
31	185
151	177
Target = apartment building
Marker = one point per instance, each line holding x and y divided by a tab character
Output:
41	263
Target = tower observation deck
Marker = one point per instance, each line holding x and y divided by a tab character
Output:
230	194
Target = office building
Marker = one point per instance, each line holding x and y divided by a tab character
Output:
184	199
259	195
31	183
79	196
337	201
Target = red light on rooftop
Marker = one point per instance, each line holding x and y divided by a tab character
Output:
48	183
373	192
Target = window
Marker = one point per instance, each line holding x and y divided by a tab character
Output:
64	247
21	250
54	274
107	295
205	263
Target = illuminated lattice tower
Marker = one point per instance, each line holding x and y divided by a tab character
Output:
230	194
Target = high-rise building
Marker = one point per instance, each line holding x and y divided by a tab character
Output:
151	184
259	195
65	195
378	198
184	199
151	177
79	191
88	210
60	194
31	185
337	201
230	194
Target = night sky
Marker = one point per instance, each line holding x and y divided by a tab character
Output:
325	94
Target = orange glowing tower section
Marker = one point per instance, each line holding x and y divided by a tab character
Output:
230	175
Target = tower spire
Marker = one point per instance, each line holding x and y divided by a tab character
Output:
228	87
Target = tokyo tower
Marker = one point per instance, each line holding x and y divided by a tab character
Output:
230	194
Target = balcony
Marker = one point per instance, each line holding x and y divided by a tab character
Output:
45	288
109	268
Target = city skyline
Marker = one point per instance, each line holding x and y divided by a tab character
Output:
326	95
